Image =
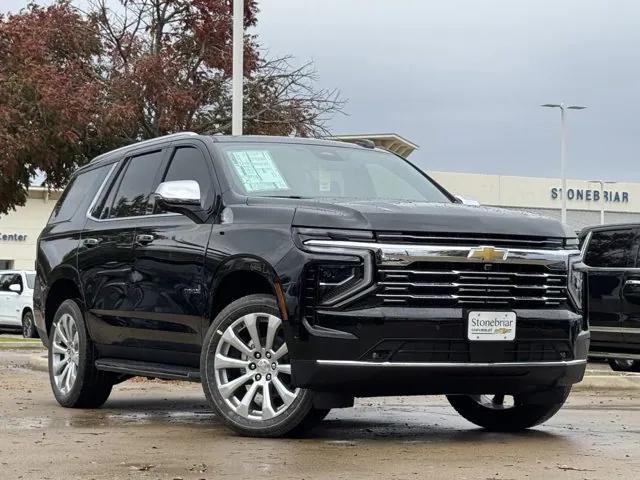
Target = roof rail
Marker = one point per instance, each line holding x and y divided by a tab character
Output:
143	142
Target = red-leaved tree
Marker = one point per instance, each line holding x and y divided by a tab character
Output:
74	84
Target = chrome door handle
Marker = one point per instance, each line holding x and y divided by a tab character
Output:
144	239
91	242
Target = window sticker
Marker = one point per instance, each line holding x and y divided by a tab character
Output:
324	180
257	170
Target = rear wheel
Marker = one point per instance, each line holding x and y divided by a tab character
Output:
28	325
504	413
624	365
75	381
246	372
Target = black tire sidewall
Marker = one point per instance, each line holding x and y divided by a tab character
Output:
85	357
27	321
520	417
616	367
280	425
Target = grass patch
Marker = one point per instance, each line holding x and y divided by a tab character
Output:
4	339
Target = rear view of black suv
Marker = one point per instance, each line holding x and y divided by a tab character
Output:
291	275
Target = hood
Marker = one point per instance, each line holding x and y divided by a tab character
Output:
384	215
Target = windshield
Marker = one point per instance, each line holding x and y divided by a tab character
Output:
318	171
31	280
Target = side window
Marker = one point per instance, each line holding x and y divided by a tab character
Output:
81	190
611	249
9	279
189	163
17	279
132	197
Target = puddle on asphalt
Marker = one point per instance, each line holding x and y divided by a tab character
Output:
101	419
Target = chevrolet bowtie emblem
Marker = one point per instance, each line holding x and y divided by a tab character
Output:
488	254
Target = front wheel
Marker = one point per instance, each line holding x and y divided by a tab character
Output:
624	365
502	413
246	372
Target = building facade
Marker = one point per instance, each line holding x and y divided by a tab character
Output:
19	230
585	200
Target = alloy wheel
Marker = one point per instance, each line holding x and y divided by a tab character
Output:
66	353
252	368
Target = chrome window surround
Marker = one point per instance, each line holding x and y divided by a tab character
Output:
403	255
97	196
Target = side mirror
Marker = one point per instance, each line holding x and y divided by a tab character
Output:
14	287
466	201
181	196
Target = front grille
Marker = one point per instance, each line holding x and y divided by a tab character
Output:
467	284
502	241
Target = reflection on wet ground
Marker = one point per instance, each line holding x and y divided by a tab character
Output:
166	430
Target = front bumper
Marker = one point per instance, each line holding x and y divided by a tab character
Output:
416	351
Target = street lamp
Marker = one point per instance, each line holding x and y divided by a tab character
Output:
602	184
238	73
563	142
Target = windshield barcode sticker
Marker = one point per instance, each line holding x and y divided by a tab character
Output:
257	170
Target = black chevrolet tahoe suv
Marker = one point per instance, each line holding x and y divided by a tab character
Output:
612	258
290	275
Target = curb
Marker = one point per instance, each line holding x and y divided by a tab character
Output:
39	363
608	382
21	345
592	382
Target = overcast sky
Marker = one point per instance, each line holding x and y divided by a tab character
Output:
464	78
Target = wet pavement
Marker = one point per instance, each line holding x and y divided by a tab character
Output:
165	430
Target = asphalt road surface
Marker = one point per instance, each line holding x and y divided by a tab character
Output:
164	430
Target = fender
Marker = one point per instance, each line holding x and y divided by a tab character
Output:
243	263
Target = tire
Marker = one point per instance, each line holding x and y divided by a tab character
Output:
90	388
621	365
248	386
520	416
28	325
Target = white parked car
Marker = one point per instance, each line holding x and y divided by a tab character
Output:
16	301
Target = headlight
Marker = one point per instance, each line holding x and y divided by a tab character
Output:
336	282
576	281
576	277
346	272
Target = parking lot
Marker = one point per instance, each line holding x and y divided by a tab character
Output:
164	430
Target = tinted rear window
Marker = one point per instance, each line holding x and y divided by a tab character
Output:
612	249
79	193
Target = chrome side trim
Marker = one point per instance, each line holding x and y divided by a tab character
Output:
615	330
620	356
399	254
357	363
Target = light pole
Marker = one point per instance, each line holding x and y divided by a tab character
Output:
238	73
602	184
563	148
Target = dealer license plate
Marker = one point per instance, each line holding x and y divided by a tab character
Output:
492	326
